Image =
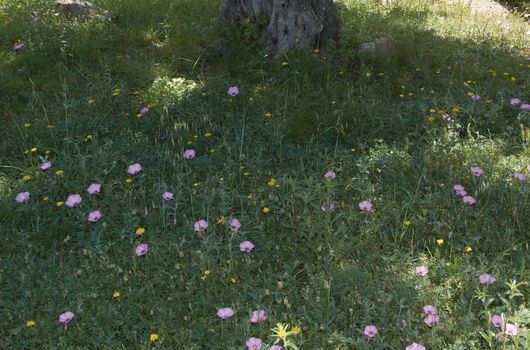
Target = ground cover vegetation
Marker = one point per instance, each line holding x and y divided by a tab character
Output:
165	183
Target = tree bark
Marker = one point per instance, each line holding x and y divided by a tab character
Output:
292	23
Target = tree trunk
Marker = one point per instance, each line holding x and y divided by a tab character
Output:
292	23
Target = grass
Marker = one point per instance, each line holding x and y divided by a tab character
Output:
73	96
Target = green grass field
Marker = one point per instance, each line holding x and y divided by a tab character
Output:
388	236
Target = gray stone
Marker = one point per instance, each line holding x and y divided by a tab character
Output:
80	9
385	47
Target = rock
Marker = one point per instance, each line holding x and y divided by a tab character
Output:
80	9
385	47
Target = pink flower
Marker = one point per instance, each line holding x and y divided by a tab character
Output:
144	110
246	246
142	249
422	271
515	101
519	176
200	226
235	225
189	154
365	206
511	329
446	117
66	317
370	331
477	171
475	97
327	207
525	107
258	316
499	338
19	46
487	279
429	310
225	313
73	200
168	196
94	216
330	175
233	91
275	347
415	346
134	169
45	166
497	321
459	190
431	320
254	344
469	200
94	188
22	197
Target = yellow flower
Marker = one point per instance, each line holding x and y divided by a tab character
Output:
410	94
128	180
50	126
455	110
368	74
317	50
151	105
27	125
432	110
26	178
59	203
208	134
431	120
140	231
91	101
296	330
285	63
440	242
153	337
246	173
266	210
116	294
513	78
470	94
30	323
205	275
190	142
89	137
468	249
139	115
268	114
221	221
34	149
195	136
196	184
401	95
272	182
116	92
59	172
233	279
407	222
45	198
47	152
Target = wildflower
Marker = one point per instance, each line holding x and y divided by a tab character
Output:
266	210
91	101
141	249
268	114
153	337
235	225
94	216
525	107
59	204
515	101
422	271
475	97
499	338
296	330
497	321
19	46
440	242
116	294
468	249
446	117
431	320
59	172
254	344
487	279
407	222
459	190
26	178
45	166
168	196
189	154
429	310
233	91
370	331
272	182
220	221
233	279
469	200
258	316
134	169
285	63
415	346
431	120
66	317
329	207
128	180
520	176
275	347
200	226
476	171
144	110
30	323
94	188
225	313
365	206
34	150
246	246
73	200
22	197
140	231
511	329
330	175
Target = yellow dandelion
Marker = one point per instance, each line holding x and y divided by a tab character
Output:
116	294
268	114
432	110
208	134
59	204
195	136
221	221
407	222
34	149
272	182
153	337
27	125
296	330
128	180
455	110
440	242
233	279
246	173
285	63
468	249
470	94
46	198
30	323
266	210
151	105
91	101
140	231
26	178
59	172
